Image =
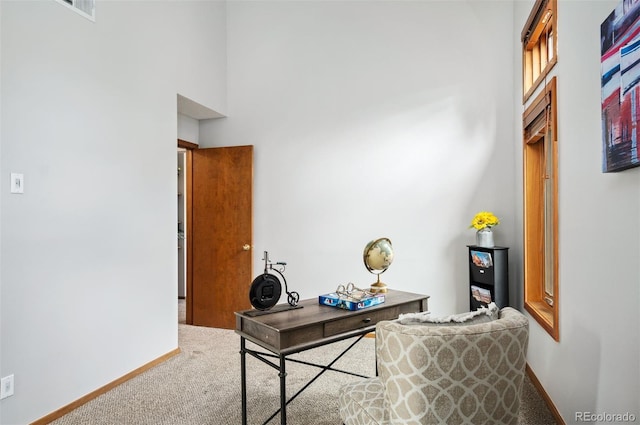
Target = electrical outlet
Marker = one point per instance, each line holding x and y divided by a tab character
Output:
6	387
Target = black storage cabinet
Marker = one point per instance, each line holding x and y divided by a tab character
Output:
488	276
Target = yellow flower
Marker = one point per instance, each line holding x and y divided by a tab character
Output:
484	219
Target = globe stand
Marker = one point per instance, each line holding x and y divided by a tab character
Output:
379	287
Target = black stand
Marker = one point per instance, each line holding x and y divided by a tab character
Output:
488	276
276	309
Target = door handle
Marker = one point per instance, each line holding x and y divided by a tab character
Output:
246	247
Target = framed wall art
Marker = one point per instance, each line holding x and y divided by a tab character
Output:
620	85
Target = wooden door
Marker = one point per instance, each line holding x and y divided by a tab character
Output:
221	234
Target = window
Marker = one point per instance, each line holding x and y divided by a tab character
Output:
540	171
539	45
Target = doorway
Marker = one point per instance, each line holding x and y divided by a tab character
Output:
182	246
184	204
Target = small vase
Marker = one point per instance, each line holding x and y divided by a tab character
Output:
484	238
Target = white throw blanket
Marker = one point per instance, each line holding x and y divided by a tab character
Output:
492	311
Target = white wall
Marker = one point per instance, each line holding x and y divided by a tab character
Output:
1	203
373	119
188	128
594	368
89	265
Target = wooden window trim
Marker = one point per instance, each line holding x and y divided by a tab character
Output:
543	18
544	109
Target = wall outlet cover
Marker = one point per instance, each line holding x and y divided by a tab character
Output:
17	183
6	387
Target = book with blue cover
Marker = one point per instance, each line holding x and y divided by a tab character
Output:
349	303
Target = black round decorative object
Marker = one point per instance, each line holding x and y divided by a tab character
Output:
266	289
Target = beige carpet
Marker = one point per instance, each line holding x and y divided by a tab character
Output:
201	386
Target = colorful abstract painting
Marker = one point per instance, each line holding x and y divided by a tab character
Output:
620	66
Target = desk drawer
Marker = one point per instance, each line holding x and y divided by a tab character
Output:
364	319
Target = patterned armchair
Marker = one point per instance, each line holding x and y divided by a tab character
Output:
469	373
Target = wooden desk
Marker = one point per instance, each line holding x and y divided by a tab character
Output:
313	325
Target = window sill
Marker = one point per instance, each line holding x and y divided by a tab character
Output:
544	315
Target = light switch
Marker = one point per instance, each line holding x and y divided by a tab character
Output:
17	183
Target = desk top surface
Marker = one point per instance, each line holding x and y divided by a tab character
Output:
312	312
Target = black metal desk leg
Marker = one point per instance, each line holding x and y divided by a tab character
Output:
283	391
243	379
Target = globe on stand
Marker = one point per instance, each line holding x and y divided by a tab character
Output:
378	256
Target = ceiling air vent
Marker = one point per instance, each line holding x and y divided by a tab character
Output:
86	8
